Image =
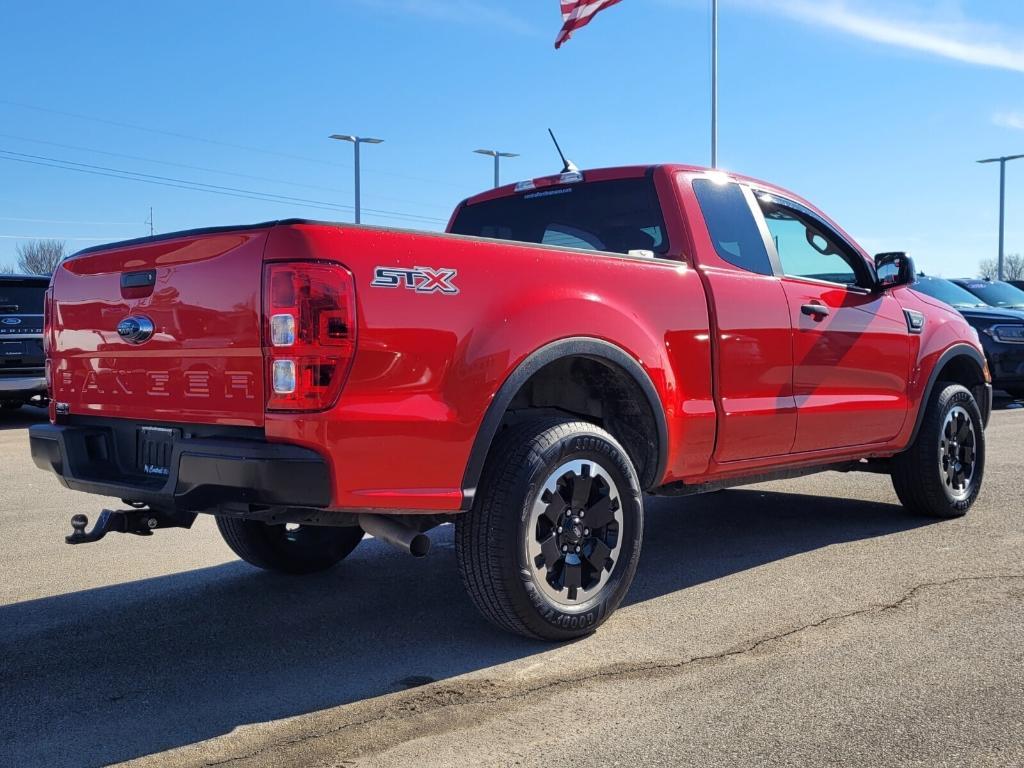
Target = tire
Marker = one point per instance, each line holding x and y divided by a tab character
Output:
541	473
940	475
286	549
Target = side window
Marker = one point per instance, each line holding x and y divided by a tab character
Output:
806	250
731	225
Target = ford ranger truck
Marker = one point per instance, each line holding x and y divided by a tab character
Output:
571	344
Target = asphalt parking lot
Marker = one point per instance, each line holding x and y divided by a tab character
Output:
808	622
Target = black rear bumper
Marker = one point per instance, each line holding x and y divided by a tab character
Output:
202	474
22	387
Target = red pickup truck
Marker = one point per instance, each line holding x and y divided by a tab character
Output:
572	343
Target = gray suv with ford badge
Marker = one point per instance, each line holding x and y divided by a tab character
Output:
22	361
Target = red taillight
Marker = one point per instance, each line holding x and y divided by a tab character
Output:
309	333
47	338
47	318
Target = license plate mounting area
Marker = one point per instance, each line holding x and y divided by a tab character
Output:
155	446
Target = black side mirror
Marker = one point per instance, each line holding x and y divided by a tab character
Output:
893	269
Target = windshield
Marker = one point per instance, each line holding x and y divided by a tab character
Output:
21	298
617	216
946	291
996	294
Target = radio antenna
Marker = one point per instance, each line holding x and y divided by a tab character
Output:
568	166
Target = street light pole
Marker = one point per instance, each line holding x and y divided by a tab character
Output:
358	191
497	161
714	83
356	141
1002	204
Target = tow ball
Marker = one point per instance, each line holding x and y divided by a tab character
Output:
141	522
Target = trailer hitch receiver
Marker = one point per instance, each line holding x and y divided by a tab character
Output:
141	522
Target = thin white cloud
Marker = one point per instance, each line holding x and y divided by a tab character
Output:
1013	120
951	36
473	12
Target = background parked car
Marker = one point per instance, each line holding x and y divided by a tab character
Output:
1001	329
1017	284
22	376
995	293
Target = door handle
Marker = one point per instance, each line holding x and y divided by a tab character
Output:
817	311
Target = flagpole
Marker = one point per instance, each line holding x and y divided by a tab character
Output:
714	83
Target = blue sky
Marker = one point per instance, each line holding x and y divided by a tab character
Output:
875	110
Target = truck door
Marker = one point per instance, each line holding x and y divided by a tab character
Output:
851	343
750	323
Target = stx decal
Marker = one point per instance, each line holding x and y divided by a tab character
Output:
419	279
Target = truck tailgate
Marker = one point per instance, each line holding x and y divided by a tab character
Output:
203	362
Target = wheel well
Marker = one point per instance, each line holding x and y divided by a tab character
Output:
599	391
959	365
962	370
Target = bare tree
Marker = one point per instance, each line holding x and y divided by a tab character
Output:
6	269
40	257
1013	268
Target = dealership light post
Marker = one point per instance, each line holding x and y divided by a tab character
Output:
356	141
714	83
1002	202
497	161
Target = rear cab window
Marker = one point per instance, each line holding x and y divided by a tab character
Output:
616	216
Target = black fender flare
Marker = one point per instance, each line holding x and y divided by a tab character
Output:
595	349
957	350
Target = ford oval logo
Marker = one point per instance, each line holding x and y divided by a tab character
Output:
11	321
135	329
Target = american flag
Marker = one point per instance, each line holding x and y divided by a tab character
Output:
578	13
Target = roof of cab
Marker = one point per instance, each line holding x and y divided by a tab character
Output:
626	172
592	174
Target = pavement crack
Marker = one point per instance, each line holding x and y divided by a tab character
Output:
442	696
907	597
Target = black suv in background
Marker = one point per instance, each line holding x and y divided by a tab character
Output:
995	293
1001	330
22	375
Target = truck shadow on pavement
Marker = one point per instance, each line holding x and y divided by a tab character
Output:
108	674
23	418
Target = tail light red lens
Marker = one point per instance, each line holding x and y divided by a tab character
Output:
47	341
47	318
309	334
